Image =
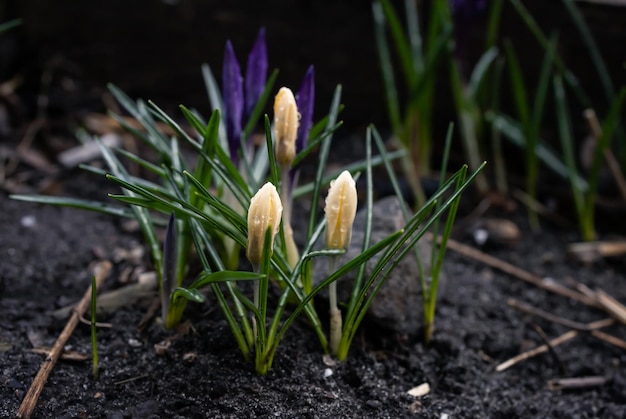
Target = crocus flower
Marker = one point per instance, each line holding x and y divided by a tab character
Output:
305	101
256	73
232	86
265	212
340	211
237	106
285	126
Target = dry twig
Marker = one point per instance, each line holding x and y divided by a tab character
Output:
609	157
536	351
576	383
552	343
101	271
525	308
65	355
533	311
546	284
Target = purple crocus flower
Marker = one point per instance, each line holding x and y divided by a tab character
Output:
256	73
232	93
305	101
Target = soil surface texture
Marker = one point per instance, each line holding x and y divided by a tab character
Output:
66	54
45	253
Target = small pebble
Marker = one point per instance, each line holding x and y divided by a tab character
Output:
328	372
162	347
374	404
480	236
130	226
419	391
28	221
328	361
134	343
190	357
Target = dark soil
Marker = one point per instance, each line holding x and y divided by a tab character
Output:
203	374
46	252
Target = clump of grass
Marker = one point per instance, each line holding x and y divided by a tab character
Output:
526	130
421	53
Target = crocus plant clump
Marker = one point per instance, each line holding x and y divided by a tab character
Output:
239	195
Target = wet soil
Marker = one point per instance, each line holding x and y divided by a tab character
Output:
45	254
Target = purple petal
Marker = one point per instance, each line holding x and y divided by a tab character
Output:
256	72
232	93
305	101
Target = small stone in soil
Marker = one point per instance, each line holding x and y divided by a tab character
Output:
190	357
134	343
419	391
374	404
28	221
328	361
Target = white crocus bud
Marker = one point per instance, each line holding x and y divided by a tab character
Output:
340	211
285	126
264	212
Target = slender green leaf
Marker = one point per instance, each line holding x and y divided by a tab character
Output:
391	93
5	26
323	157
84	204
157	170
481	70
513	132
534	28
190	294
592	47
517	84
207	278
400	41
260	105
215	98
567	144
609	126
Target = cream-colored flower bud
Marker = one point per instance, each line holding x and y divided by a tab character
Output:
285	126
340	211
264	212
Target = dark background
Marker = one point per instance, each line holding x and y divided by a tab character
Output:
153	49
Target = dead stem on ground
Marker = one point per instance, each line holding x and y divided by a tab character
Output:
576	383
101	271
551	343
592	298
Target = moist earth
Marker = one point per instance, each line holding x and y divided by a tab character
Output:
45	254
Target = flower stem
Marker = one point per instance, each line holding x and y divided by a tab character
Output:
293	255
335	313
255	300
